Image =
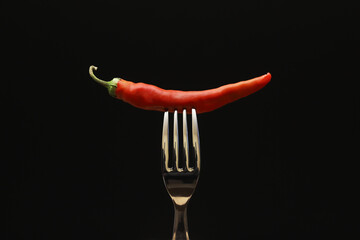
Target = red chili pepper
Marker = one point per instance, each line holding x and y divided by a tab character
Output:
150	97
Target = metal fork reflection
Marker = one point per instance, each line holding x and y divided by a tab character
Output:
180	182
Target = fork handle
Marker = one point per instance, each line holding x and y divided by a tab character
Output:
180	229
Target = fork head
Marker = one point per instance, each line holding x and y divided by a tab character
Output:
180	182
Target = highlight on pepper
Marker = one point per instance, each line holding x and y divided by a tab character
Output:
150	97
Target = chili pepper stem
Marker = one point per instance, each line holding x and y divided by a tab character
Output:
92	75
110	85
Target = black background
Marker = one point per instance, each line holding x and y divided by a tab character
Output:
279	164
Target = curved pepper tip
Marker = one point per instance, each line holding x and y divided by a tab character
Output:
268	76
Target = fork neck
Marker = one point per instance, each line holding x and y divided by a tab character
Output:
180	230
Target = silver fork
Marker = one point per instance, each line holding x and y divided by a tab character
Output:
180	182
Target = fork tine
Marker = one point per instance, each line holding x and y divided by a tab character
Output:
186	141
165	143
180	185
196	138
176	142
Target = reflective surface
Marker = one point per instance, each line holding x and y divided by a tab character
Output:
180	182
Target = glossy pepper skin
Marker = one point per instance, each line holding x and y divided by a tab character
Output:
150	97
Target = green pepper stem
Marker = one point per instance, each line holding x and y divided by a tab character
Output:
110	85
92	75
